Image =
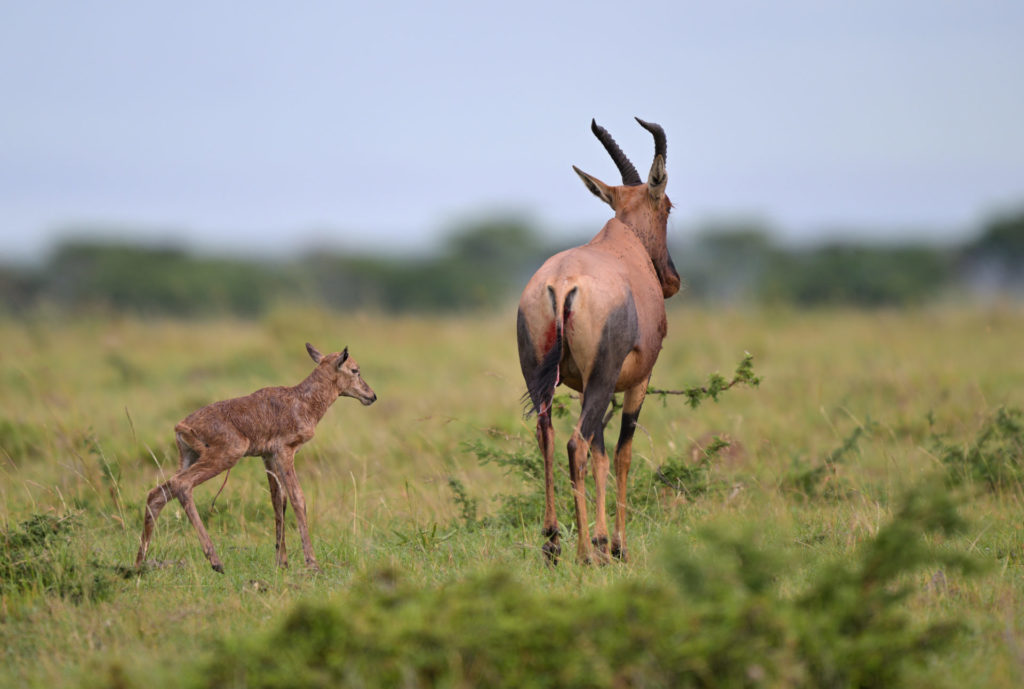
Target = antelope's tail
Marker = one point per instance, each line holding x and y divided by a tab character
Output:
189	444
541	384
187	435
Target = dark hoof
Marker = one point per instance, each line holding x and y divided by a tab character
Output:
257	586
129	571
600	555
552	551
619	553
218	568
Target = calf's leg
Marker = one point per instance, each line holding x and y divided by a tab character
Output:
181	485
280	503
291	483
159	497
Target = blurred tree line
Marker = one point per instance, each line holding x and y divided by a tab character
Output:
486	263
478	264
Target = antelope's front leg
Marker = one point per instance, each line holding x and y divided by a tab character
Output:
280	503
599	460
298	500
546	439
631	403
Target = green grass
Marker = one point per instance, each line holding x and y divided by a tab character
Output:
854	409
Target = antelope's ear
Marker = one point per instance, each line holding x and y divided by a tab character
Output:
597	187
314	353
657	180
344	357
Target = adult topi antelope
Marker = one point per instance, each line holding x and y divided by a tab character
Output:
593	318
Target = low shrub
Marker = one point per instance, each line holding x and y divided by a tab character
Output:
42	554
993	459
810	480
715	618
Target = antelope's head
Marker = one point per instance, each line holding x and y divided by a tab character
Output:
644	208
343	373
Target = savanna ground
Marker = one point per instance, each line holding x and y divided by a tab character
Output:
790	558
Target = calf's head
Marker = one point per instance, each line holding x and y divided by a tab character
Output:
343	373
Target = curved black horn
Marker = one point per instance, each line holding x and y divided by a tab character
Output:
660	147
630	176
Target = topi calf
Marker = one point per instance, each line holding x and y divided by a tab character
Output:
271	423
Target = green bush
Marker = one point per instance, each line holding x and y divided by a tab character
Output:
39	555
20	441
994	458
811	480
714	618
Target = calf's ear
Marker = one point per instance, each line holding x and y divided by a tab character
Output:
344	357
314	353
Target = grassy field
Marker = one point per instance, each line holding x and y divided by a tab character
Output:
765	548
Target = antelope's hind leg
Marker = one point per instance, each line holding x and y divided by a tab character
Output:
546	439
589	435
159	497
631	404
617	339
541	375
182	485
155	502
207	461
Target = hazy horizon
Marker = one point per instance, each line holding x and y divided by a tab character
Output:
273	129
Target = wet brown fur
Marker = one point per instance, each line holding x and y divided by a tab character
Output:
600	308
271	423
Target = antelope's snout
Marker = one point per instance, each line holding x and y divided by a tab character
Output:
362	392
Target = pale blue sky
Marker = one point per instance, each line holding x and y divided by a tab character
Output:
271	126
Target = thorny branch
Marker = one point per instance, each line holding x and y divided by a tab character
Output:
717	384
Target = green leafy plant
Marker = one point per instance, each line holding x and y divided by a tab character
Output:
994	458
39	555
525	466
424	539
717	384
20	441
715	618
821	479
467	505
693	478
853	629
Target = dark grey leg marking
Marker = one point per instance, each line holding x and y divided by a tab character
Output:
628	428
618	337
